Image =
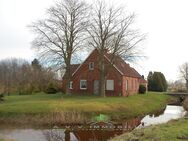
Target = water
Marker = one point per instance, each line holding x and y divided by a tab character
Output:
40	135
99	131
171	112
32	134
23	135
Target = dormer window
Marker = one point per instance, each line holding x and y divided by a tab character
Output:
91	65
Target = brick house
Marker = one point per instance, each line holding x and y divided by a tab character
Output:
121	80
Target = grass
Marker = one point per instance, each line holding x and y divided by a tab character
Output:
1	139
175	130
41	105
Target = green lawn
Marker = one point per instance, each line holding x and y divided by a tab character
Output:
172	131
43	104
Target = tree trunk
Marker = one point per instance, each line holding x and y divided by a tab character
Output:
68	76
102	77
67	87
68	92
102	85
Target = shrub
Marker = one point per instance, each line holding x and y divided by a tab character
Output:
51	89
1	97
142	89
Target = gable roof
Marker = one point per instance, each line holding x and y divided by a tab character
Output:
123	67
73	68
120	65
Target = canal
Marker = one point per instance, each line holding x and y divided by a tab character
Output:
93	131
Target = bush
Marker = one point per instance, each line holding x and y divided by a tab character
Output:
1	97
142	89
51	89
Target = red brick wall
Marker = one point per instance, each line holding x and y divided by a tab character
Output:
133	85
90	75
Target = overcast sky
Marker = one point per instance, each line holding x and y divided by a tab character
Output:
164	21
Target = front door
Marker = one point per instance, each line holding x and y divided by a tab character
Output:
96	87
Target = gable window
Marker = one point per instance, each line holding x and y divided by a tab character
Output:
91	65
70	85
110	85
83	84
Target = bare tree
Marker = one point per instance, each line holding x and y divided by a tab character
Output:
183	69
176	86
111	32
19	76
61	34
9	69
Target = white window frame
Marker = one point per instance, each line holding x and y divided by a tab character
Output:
81	84
91	65
110	85
71	85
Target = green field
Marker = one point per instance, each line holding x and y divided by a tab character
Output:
172	131
42	105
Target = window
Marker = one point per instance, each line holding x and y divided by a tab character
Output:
126	85
110	85
83	84
70	85
91	66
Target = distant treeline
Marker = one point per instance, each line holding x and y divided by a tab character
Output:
21	77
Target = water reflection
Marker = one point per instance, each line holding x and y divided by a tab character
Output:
23	134
94	131
81	135
171	112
